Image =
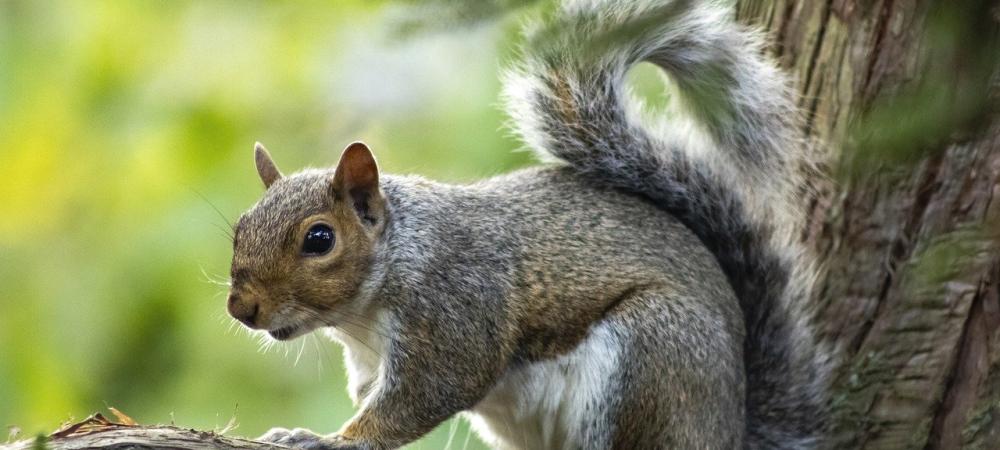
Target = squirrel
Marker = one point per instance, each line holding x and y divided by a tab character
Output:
643	289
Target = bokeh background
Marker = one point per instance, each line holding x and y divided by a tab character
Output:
126	131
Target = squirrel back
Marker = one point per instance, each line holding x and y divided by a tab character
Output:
730	167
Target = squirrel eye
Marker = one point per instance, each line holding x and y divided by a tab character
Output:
319	240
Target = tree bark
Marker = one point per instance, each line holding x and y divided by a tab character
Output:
904	93
97	432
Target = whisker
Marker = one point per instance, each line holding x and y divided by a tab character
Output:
365	343
232	226
372	329
319	339
321	355
265	343
302	348
452	430
225	233
217	280
468	437
326	322
356	324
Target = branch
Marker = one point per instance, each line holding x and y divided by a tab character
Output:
97	432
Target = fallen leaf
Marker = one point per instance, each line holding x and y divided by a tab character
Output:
125	420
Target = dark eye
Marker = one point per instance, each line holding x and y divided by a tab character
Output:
319	240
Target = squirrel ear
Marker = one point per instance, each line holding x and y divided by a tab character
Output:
266	168
357	170
356	178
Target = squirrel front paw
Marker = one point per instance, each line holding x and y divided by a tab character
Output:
305	439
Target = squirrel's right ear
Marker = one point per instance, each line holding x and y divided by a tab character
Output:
356	180
266	168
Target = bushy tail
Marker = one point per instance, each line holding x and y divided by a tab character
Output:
729	165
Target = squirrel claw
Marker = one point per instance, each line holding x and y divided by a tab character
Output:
305	439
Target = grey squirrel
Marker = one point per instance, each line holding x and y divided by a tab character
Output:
644	290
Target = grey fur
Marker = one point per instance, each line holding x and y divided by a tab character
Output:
482	281
663	249
737	192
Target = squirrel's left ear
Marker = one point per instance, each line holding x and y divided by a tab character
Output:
356	180
266	168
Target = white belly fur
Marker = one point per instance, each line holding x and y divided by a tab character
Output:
543	405
363	347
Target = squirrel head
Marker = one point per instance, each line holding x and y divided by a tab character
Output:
302	251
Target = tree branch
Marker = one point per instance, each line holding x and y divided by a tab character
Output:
97	432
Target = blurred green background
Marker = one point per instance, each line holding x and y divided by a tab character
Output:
124	125
126	133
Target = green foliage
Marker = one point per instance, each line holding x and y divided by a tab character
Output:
953	100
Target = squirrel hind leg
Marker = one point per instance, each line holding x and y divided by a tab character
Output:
683	381
660	368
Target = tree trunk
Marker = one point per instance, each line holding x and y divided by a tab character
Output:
903	92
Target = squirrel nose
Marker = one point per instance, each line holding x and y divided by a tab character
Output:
243	310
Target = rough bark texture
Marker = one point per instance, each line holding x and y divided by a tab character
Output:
97	432
907	230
